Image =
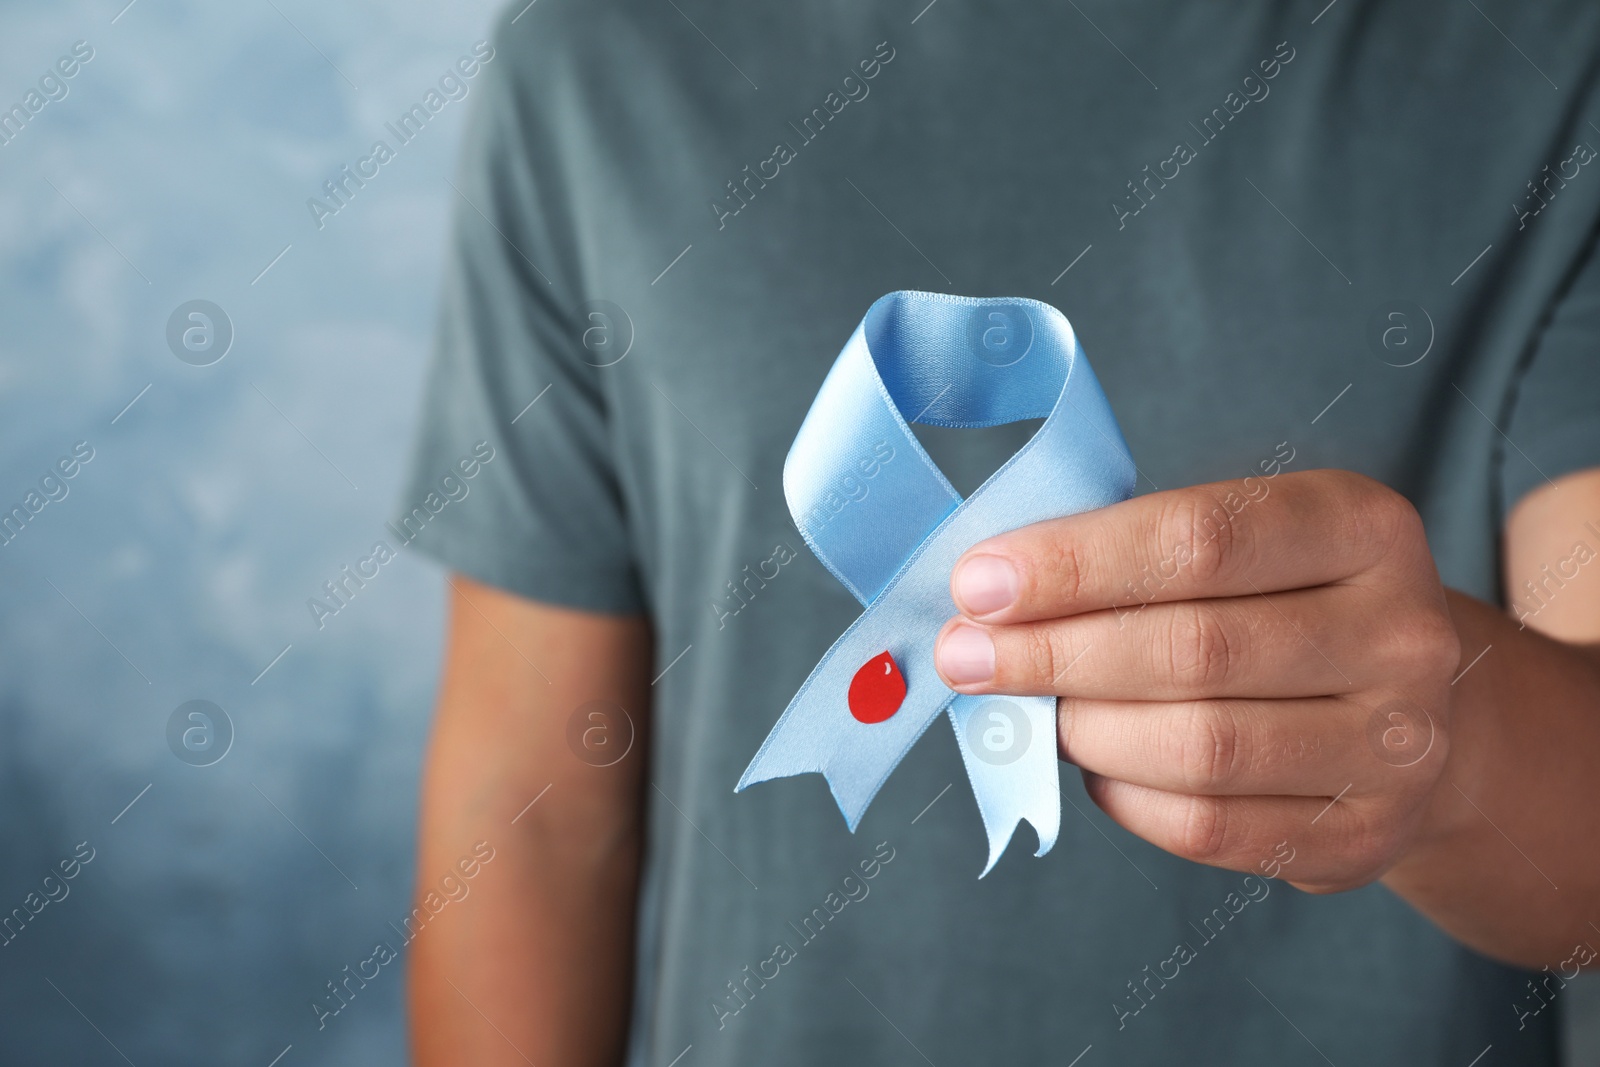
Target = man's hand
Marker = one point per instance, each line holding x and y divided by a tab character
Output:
1238	665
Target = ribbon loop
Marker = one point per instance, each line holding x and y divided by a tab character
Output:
886	522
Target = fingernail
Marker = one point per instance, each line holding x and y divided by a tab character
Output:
984	584
966	655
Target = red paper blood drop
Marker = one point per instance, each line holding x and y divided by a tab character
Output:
877	690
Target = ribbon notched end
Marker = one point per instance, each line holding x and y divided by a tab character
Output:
850	792
1009	748
999	840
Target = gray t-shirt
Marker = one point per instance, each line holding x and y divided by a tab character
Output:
1361	238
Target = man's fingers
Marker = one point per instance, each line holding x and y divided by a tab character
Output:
1337	844
1278	645
1316	747
1218	540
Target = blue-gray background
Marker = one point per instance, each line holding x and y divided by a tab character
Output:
206	923
179	565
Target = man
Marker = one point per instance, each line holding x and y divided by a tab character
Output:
1336	270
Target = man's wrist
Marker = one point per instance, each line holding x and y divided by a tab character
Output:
1471	720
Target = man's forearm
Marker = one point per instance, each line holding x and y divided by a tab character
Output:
1507	860
536	964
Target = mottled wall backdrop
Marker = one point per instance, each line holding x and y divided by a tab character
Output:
166	155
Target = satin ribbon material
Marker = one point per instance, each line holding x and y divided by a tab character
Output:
891	529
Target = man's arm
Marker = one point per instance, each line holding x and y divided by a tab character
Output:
1511	865
535	963
1248	663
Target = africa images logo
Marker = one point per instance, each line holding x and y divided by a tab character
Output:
1255	88
454	84
743	190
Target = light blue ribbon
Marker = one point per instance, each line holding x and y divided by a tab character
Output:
888	524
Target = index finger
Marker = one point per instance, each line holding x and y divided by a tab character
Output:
1224	539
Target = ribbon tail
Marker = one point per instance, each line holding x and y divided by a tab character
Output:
854	759
1009	747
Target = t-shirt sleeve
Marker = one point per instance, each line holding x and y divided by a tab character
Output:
542	516
1554	424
